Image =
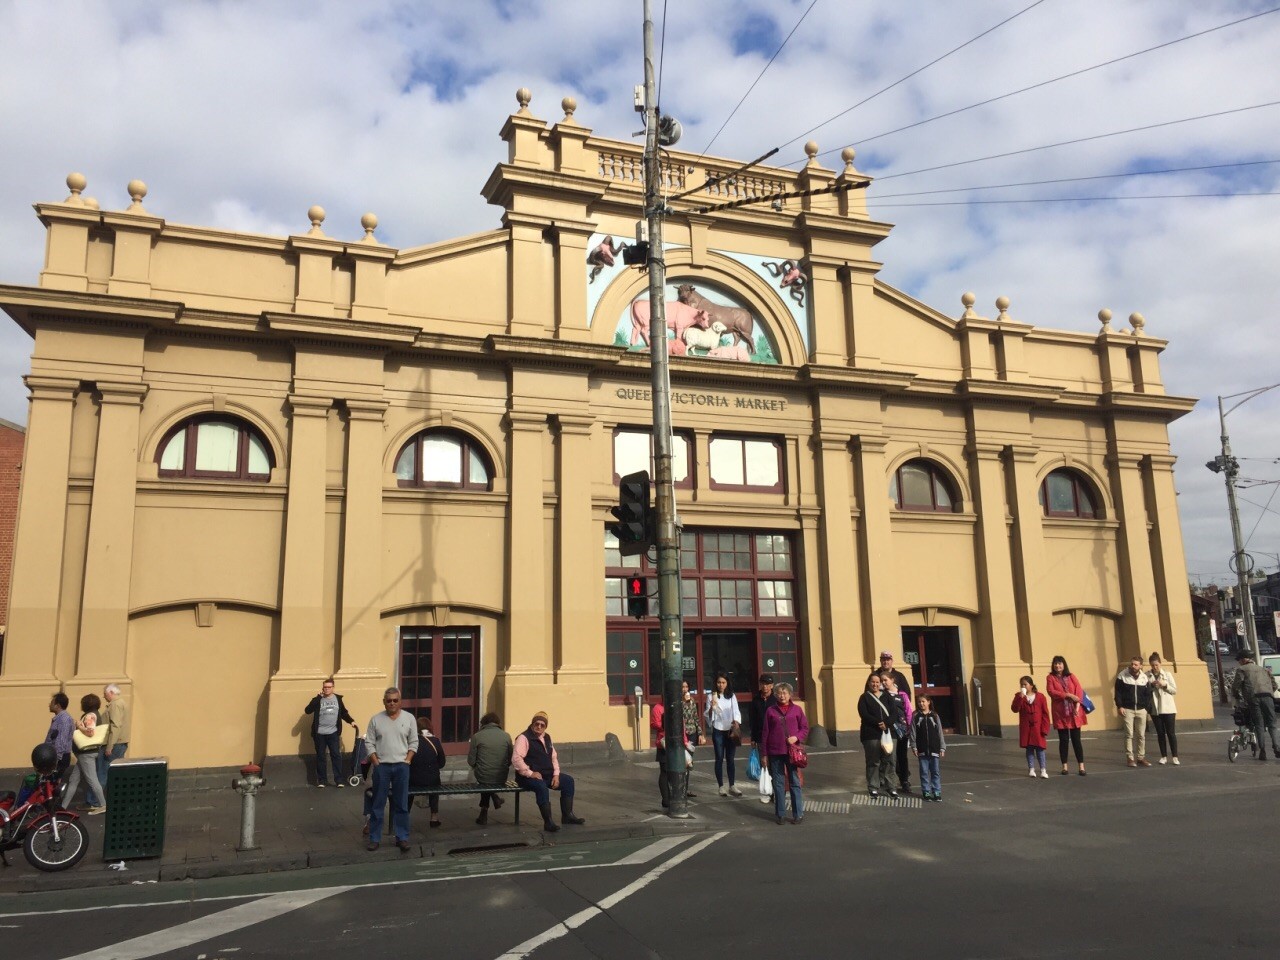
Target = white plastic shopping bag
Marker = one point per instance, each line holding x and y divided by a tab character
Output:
766	783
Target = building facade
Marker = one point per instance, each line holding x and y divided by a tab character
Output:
255	461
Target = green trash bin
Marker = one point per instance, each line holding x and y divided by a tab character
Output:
136	795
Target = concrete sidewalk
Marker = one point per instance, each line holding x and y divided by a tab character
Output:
301	826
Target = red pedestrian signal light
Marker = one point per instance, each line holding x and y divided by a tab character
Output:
637	597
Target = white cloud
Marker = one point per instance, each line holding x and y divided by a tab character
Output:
242	115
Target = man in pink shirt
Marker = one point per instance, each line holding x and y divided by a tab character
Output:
538	769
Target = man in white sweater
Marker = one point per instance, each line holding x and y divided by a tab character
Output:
392	739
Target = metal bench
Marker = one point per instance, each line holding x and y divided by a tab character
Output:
462	789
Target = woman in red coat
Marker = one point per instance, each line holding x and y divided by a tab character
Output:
1032	708
1065	694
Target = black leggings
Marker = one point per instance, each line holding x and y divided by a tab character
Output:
1074	736
1165	729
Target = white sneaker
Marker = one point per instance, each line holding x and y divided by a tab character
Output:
1031	772
724	792
1176	762
766	799
734	791
1044	774
1163	761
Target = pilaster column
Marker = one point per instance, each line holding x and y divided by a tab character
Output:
1034	617
530	309
579	628
836	588
104	609
998	628
529	653
30	641
875	547
1141	625
360	650
571	291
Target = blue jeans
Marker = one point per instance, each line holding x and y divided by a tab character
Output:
542	788
392	778
930	775
1035	755
333	743
104	764
725	749
783	773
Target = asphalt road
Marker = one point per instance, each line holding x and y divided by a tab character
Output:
1161	862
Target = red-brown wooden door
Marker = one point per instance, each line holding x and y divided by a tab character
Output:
439	678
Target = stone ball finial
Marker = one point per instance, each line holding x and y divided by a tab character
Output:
370	223
968	299
137	190
523	97
811	149
76	184
569	105
1002	305
91	203
1138	321
847	155
316	215
1105	316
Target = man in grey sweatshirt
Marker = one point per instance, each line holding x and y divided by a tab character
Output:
392	740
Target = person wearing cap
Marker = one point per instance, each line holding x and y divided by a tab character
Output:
1254	688
760	704
538	769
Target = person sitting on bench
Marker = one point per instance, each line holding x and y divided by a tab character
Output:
538	769
489	757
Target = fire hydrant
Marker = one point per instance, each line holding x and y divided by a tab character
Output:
248	785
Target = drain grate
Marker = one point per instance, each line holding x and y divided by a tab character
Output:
491	848
904	803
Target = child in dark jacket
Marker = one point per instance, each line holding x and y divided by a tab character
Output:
930	746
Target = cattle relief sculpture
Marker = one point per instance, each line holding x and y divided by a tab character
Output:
698	325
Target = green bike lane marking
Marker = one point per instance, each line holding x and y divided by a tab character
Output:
535	859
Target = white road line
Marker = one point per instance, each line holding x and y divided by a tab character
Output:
651	852
578	919
206	928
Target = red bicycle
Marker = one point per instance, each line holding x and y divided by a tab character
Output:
51	838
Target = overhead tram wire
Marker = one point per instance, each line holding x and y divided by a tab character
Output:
1146	196
756	81
1263	514
1099	176
662	50
1067	143
913	73
1044	83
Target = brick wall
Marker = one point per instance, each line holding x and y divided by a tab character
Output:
12	439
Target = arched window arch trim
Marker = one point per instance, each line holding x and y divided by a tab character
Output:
945	494
423	461
268	431
1084	494
491	452
208	455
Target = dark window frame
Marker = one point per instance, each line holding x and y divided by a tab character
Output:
467	445
190	428
939	476
688	483
779	448
1082	491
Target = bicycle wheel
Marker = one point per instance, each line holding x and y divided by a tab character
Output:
45	853
1233	747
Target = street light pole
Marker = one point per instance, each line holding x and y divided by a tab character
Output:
1241	562
667	537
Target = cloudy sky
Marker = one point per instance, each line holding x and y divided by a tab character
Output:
243	114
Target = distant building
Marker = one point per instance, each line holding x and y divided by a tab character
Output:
257	460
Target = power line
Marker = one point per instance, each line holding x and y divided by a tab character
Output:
1044	83
757	79
913	73
1067	143
1153	196
1100	176
662	51
1261	515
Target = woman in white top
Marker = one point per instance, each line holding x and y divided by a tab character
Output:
725	723
1163	709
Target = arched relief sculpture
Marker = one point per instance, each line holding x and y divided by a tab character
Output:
702	321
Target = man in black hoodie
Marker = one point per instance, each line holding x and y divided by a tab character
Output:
1133	699
328	713
761	702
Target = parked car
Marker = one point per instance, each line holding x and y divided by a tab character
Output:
1222	648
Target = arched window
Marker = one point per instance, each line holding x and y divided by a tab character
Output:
1066	493
443	458
214	447
923	486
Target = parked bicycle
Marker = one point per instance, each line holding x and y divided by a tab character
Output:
1243	737
51	838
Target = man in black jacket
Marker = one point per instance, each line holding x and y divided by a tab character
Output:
761	702
1133	699
327	713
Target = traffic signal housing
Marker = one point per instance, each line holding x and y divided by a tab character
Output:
634	514
637	597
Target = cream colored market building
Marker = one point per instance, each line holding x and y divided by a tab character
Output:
254	461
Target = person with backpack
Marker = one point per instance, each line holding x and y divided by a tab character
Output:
929	744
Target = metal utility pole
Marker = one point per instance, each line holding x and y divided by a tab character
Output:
668	528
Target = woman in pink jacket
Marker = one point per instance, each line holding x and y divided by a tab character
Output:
1065	693
1032	708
